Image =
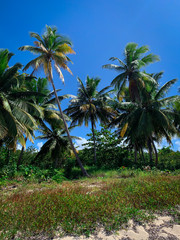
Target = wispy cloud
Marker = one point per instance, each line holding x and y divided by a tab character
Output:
178	144
79	143
39	145
164	143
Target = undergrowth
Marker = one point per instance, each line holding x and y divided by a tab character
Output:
81	206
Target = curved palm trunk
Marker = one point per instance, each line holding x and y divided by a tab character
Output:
94	140
156	153
19	162
67	130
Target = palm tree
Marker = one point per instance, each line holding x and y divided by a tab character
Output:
15	108
149	120
45	99
57	143
90	106
52	48
130	69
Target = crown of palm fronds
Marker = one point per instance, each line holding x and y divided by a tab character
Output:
89	105
51	47
130	68
16	110
153	116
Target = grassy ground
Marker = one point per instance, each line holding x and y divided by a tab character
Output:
107	199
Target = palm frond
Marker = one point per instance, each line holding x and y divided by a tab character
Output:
120	62
164	89
35	63
59	72
35	50
150	58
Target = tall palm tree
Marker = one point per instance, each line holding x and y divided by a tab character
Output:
90	106
15	108
52	49
130	69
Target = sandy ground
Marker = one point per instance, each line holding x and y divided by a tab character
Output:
161	228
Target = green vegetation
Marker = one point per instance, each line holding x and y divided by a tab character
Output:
52	49
90	106
126	175
81	206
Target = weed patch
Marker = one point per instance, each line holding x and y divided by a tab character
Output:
77	210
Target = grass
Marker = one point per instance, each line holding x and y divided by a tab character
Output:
77	207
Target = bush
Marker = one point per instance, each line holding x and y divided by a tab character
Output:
59	176
168	159
8	171
69	164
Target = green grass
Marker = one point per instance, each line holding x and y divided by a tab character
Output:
80	206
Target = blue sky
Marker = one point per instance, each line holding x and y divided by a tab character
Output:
99	29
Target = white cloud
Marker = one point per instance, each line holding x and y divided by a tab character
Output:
39	145
163	143
160	145
178	144
18	147
79	143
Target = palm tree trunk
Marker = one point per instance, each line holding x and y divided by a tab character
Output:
135	154
133	90
19	162
156	153
7	156
94	140
142	153
56	162
67	130
150	151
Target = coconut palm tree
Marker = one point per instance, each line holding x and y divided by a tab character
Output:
52	49
15	108
130	69
46	100
90	106
57	143
149	120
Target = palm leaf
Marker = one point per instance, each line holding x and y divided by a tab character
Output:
35	50
150	58
164	89
35	63
120	62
